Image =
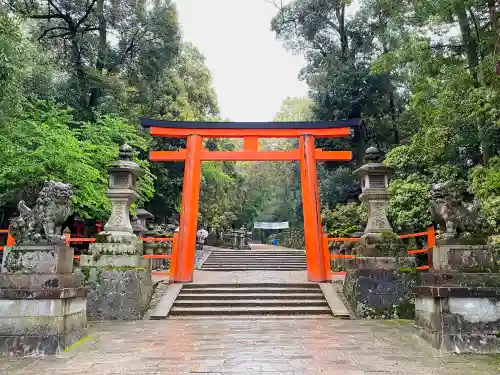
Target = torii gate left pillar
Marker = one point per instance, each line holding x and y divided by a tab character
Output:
186	242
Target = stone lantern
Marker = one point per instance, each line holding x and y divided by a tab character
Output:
374	178
123	174
139	221
118	276
376	284
143	216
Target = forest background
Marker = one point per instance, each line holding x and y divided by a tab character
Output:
423	75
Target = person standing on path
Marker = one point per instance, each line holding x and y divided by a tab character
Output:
201	236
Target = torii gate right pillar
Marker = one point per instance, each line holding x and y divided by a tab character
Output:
313	230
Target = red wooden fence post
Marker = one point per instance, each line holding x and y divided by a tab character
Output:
431	243
326	250
10	240
173	258
67	237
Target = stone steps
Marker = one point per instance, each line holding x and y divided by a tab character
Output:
250	300
281	302
251	296
250	310
254	260
251	268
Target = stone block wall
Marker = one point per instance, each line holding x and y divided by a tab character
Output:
458	319
380	293
118	293
41	322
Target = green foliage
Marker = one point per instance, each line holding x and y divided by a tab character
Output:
36	147
291	238
44	144
295	109
486	185
100	142
428	99
10	48
409	205
345	219
124	61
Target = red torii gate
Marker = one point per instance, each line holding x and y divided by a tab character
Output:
194	154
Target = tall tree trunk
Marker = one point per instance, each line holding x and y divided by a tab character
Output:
96	92
392	101
344	43
471	50
468	40
492	6
80	72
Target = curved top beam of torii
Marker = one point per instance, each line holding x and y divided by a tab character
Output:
149	123
182	129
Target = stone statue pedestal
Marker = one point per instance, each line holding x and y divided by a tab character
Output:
119	279
42	303
457	305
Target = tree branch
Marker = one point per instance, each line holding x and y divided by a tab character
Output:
51	29
273	3
51	2
45	16
131	45
59	35
89	28
87	13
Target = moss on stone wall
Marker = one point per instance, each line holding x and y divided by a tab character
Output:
123	268
85	271
362	288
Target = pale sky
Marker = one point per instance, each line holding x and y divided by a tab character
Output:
252	72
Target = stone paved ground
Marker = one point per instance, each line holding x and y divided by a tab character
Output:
246	347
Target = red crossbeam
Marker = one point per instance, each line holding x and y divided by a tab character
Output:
249	155
342	256
157	256
413	235
332	155
419	251
81	239
242	133
343	239
154	239
421	268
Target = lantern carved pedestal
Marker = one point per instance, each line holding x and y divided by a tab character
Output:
379	281
118	276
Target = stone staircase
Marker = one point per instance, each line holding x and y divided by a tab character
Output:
253	260
250	300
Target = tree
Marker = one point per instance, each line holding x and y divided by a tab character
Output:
82	32
422	75
184	93
67	102
40	145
